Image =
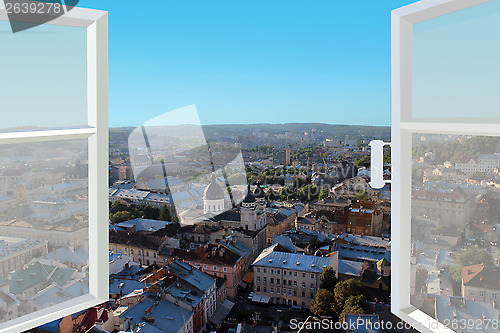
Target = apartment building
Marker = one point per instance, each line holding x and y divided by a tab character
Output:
485	163
452	206
278	222
216	260
15	253
480	283
288	278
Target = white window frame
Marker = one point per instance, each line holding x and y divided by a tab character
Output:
402	128
96	131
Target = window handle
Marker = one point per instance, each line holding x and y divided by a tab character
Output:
377	164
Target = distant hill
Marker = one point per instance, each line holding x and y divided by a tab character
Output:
322	130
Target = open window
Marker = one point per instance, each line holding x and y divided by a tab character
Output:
445	160
53	168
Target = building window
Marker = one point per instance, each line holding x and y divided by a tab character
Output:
277	281
224	269
272	271
265	280
303	284
258	269
295	283
258	288
272	280
312	286
258	279
278	272
312	276
272	290
278	291
294	273
265	289
264	270
303	294
215	268
312	295
295	293
303	275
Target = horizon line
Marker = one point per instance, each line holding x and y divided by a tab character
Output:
250	124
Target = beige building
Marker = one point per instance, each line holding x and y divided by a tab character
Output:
480	283
449	207
288	278
278	222
74	235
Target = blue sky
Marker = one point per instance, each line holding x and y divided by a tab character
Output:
250	61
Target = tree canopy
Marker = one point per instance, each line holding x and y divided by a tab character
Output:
328	279
322	303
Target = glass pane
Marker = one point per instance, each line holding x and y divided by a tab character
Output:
455	229
456	65
43	225
43	76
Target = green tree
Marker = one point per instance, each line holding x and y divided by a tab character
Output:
117	206
328	279
344	290
351	310
420	278
361	195
452	230
474	256
322	303
324	193
387	157
356	301
354	305
121	217
364	161
165	214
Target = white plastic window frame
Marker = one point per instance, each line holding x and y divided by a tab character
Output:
96	131
402	128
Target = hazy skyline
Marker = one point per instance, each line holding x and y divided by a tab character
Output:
250	62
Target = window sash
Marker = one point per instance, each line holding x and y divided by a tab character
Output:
403	126
96	131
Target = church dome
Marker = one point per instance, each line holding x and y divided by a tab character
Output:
259	193
213	191
249	198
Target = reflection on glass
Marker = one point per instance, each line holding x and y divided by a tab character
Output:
43	76
204	179
456	64
43	225
455	230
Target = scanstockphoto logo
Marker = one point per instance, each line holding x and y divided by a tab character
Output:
26	14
